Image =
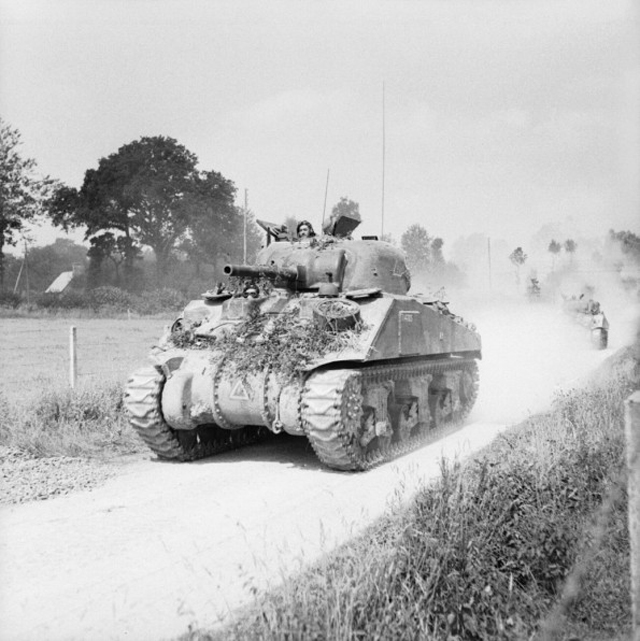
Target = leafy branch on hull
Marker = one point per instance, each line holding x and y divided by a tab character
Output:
185	338
285	343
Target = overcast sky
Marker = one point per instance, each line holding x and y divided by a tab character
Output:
499	116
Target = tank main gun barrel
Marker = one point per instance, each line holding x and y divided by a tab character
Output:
262	271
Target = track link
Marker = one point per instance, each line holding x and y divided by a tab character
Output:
142	401
332	411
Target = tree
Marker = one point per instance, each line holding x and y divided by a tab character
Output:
518	258
114	249
436	252
346	207
21	192
388	238
151	192
554	248
416	244
291	222
629	243
215	225
570	247
96	206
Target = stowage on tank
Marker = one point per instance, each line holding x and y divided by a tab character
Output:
319	339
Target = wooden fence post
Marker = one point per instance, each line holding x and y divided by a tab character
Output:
632	430
73	357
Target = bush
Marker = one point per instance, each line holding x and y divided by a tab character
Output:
47	301
74	299
110	297
107	298
10	300
69	299
159	301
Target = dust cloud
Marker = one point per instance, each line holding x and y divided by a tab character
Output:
533	349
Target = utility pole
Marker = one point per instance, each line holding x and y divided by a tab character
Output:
15	287
26	270
244	232
489	257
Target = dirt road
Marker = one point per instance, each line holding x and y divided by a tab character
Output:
163	546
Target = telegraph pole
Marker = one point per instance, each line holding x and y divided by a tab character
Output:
244	230
489	257
26	270
15	287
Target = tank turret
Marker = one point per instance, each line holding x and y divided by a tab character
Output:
320	339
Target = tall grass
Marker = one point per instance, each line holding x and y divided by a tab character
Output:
87	421
486	553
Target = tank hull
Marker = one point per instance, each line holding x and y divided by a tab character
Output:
203	387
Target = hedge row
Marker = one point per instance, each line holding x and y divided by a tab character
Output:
101	299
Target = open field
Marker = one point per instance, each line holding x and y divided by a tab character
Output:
34	353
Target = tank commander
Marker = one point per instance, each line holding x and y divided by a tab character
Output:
305	230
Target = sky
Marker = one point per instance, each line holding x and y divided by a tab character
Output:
486	117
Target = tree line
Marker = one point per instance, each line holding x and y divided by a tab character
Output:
151	193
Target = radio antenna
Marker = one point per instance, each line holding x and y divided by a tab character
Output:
383	163
324	209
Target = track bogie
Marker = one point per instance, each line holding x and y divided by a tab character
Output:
353	425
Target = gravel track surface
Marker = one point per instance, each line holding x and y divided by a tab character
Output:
26	477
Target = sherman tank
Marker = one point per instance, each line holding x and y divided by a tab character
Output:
321	339
588	313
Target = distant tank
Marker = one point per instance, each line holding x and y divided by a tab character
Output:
587	312
533	290
318	339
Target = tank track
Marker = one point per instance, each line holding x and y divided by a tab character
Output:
331	411
142	402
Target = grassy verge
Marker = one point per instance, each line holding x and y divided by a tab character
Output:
528	540
88	421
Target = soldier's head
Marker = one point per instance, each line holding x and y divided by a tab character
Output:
305	229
